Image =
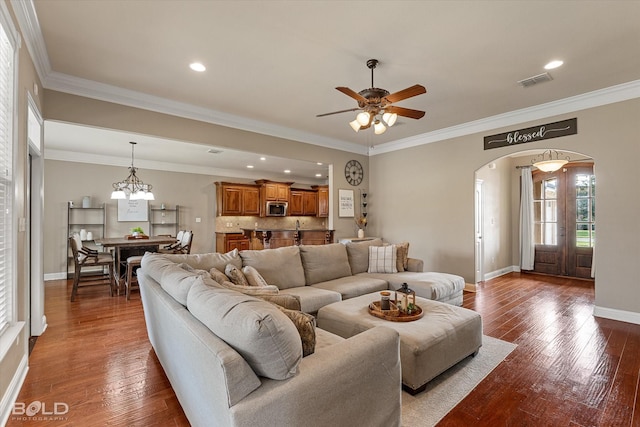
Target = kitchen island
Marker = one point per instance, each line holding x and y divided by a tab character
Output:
277	238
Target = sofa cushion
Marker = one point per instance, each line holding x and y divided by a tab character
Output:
358	253
177	281
353	286
306	326
263	335
382	259
253	277
281	267
324	262
312	298
208	260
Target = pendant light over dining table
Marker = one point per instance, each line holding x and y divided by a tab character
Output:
132	187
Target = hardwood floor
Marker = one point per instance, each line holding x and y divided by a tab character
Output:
569	369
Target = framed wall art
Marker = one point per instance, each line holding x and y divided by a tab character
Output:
133	210
345	204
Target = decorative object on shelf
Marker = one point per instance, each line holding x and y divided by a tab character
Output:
83	234
550	161
70	203
89	235
132	187
353	172
375	105
86	202
361	223
406	298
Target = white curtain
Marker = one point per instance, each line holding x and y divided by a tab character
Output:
527	243
593	255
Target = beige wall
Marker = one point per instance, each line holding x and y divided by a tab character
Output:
75	109
427	194
194	193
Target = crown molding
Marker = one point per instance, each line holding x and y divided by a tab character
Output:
142	164
27	18
610	95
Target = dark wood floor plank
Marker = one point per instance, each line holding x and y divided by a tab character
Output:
569	369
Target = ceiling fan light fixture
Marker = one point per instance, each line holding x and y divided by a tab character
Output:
363	118
355	125
390	118
379	128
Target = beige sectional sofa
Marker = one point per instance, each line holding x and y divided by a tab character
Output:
217	347
236	360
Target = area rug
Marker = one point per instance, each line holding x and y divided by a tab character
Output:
447	390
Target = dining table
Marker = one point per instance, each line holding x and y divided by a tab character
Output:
131	246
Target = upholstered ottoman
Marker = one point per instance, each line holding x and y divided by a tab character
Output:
444	335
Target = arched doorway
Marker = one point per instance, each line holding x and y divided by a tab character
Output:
497	250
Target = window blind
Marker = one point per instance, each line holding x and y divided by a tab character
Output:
6	175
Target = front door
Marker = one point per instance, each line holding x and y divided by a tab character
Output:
564	207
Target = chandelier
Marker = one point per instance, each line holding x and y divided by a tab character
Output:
132	187
550	161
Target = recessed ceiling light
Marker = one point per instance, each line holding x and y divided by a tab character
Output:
318	175
263	158
319	163
250	166
287	171
553	64
197	66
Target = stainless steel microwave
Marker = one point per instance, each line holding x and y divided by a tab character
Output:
276	208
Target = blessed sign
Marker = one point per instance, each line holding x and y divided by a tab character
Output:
536	133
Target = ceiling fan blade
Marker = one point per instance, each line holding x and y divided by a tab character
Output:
405	112
353	94
406	93
338	112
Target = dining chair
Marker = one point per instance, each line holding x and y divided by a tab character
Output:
84	258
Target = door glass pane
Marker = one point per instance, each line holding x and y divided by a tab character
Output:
583	239
550	186
537	210
582	185
550	233
551	211
593	210
582	210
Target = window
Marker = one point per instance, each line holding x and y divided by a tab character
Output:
545	208
7	77
585	210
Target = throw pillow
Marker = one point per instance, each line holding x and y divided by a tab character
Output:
190	269
292	302
218	275
306	326
261	291
253	277
403	256
383	259
359	254
235	275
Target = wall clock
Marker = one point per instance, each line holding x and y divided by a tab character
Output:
353	172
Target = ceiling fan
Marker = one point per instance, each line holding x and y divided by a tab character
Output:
376	105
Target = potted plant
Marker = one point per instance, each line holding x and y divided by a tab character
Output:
137	231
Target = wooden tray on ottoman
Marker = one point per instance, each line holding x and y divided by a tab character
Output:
394	315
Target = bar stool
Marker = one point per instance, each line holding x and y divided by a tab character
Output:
131	281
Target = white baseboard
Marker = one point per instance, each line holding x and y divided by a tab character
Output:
615	314
11	394
501	272
55	276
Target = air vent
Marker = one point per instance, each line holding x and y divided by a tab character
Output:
540	78
213	151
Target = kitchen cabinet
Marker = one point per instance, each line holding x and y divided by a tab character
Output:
323	200
272	191
237	199
303	203
226	242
